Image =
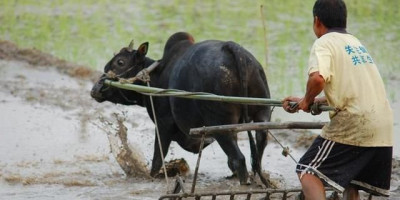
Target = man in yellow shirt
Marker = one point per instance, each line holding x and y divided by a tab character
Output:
354	151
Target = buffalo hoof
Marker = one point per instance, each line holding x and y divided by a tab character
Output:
246	181
233	176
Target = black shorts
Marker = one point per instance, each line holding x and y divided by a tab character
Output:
339	165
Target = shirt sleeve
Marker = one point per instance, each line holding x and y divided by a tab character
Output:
320	60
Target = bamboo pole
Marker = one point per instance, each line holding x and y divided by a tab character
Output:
234	128
153	91
265	36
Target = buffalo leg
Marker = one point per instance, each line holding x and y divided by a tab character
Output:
236	160
261	135
157	159
262	141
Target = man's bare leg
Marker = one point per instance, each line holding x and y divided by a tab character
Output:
351	193
312	186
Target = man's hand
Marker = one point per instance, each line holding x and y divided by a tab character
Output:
294	104
304	105
315	85
291	108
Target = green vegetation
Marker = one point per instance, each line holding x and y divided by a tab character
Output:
89	32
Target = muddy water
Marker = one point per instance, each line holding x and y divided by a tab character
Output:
51	146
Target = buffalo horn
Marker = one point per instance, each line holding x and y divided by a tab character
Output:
130	47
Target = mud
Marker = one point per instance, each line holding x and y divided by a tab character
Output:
54	145
128	157
34	57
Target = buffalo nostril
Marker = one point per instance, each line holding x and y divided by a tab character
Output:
96	92
93	94
97	96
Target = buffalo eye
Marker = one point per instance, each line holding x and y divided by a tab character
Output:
120	62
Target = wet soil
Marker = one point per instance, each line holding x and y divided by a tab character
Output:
54	144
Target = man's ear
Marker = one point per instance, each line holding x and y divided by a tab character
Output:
317	22
142	50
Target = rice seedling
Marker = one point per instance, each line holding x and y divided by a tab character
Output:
89	32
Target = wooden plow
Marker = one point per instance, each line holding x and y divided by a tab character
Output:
266	194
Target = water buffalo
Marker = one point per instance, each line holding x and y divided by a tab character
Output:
223	68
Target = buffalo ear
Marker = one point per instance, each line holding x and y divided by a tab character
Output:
142	50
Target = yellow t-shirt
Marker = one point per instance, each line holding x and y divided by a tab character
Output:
354	86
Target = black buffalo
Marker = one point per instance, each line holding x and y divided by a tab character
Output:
212	66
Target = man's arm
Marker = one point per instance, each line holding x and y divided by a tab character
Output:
315	85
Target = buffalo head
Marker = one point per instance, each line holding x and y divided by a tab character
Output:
125	64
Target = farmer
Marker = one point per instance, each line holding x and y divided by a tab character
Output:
354	151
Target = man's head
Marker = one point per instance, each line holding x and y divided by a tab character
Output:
329	14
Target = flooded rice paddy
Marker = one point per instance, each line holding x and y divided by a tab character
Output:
52	145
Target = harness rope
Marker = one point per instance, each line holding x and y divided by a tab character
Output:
158	136
308	168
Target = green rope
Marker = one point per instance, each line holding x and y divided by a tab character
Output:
152	91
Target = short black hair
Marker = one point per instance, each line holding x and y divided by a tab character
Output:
332	13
